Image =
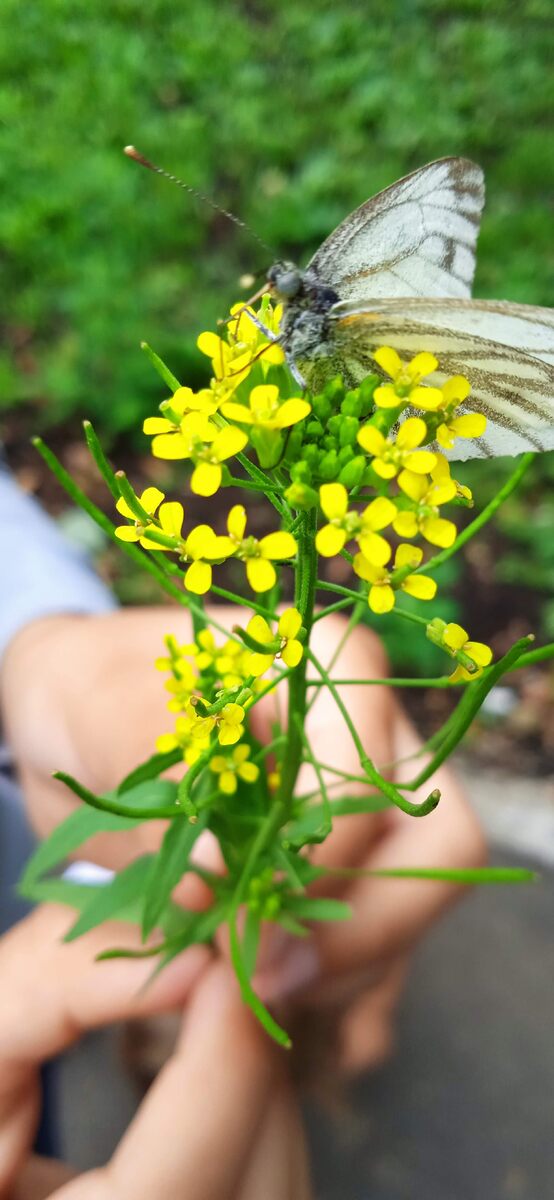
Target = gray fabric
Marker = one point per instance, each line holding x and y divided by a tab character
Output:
42	573
16	844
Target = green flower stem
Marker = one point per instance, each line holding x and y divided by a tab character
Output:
534	656
441	681
100	459
467	709
127	493
304	599
373	775
113	806
160	367
488	512
322	585
332	608
250	486
410	616
234	598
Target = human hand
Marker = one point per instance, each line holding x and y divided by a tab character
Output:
80	693
220	1122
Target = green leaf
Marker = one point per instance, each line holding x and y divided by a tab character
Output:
248	994
168	867
109	900
315	908
471	875
158	800
78	827
312	825
197	929
250	941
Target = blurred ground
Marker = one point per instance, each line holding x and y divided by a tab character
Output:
464	1109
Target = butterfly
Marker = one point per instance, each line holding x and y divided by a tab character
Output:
398	272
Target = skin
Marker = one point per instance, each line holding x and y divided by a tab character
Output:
220	1122
79	693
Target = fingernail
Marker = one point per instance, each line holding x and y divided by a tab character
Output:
298	968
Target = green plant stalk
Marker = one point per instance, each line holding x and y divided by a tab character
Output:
469	705
304	599
474	526
113	806
373	775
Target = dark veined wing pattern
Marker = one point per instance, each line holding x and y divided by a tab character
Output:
482	340
415	238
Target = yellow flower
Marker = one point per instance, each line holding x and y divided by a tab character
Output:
245	332
170	519
192	433
203	548
207	474
381	596
424	518
192	736
266	411
229	662
183	401
441	473
230	363
446	400
456	639
229	767
183	676
389	456
406	378
284	645
344	524
258	555
230	723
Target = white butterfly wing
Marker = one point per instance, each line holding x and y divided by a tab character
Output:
416	238
505	350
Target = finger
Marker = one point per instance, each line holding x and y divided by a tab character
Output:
278	1168
195	1130
390	914
53	991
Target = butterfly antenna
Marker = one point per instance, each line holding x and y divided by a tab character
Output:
132	152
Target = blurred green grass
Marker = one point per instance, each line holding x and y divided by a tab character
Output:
289	114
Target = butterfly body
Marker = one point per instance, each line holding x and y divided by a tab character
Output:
398	272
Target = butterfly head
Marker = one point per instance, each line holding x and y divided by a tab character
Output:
285	280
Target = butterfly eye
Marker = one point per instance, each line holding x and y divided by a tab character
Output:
285	280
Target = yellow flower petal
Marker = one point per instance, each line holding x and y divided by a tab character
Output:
366	570
415	486
127	533
405	525
479	652
329	540
385	469
171	517
228	442
258	628
408	555
421	365
438	531
170	446
198	578
454	636
371	439
261	574
258	664
456	389
228	782
229	734
427	398
471	425
386	397
420	586
333	498
166	742
379	513
236	522
289	623
291	412
150	498
157	425
237	412
277	545
389	361
381	598
375	548
411	433
291	654
209	344
218	764
421	461
249	772
206	479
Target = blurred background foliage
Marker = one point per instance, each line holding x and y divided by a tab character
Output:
290	114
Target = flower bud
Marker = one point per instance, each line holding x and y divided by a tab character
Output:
300	495
328	467
352	473
348	431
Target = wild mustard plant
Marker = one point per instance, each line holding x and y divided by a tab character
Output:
356	474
